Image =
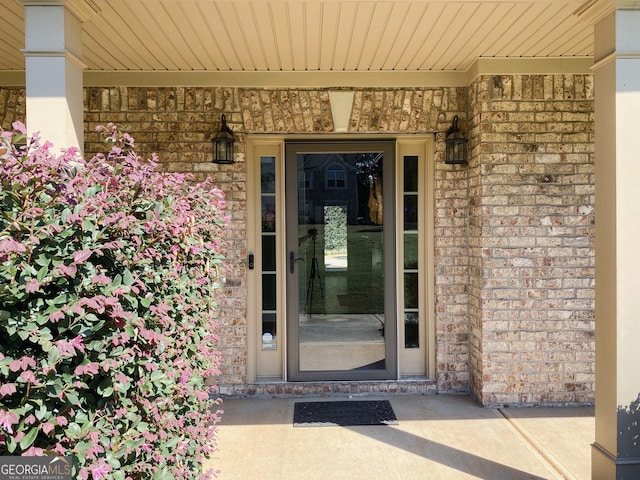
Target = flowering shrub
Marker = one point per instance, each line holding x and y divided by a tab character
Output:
108	272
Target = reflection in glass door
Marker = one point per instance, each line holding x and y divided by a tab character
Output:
341	302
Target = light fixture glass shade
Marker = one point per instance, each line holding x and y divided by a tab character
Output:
223	144
455	145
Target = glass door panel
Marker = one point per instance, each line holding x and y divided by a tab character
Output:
340	241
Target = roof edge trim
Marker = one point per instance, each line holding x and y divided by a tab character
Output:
332	79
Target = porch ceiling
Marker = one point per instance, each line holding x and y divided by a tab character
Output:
313	35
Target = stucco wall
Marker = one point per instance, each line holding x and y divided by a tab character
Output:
513	240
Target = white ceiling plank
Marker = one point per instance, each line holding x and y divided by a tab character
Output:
376	35
265	30
296	24
151	41
481	42
346	21
554	43
518	20
313	26
329	29
458	34
570	41
314	35
225	57
463	52
234	19
211	56
248	38
117	30
181	35
413	35
361	33
280	18
450	23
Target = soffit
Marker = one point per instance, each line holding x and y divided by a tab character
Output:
313	35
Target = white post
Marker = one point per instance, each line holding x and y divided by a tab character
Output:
616	451
53	47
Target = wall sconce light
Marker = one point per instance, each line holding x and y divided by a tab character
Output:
456	145
223	144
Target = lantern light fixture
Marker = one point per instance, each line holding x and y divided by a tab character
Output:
456	145
223	144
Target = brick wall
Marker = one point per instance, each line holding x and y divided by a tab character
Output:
177	123
513	242
531	238
13	106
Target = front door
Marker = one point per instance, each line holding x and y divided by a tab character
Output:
341	298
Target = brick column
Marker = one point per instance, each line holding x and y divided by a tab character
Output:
616	451
531	234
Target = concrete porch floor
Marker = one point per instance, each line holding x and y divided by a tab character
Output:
438	437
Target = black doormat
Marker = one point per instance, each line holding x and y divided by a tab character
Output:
347	413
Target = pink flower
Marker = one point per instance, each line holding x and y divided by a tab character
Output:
68	271
33	452
59	449
7	420
90	368
47	427
8	245
81	256
95	303
65	348
22	364
32	285
19	127
101	279
7	389
62	421
56	316
77	343
100	472
28	376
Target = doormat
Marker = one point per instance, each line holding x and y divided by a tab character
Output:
343	413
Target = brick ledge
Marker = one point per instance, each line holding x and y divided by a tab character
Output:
404	386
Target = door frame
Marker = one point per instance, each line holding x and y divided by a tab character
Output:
271	365
388	148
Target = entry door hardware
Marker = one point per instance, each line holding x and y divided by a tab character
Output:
293	260
251	261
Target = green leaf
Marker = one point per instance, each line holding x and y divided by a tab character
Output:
163	474
42	260
73	430
42	274
29	438
105	392
53	355
42	412
11	444
127	279
72	398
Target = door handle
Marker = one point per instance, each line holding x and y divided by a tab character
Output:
292	261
